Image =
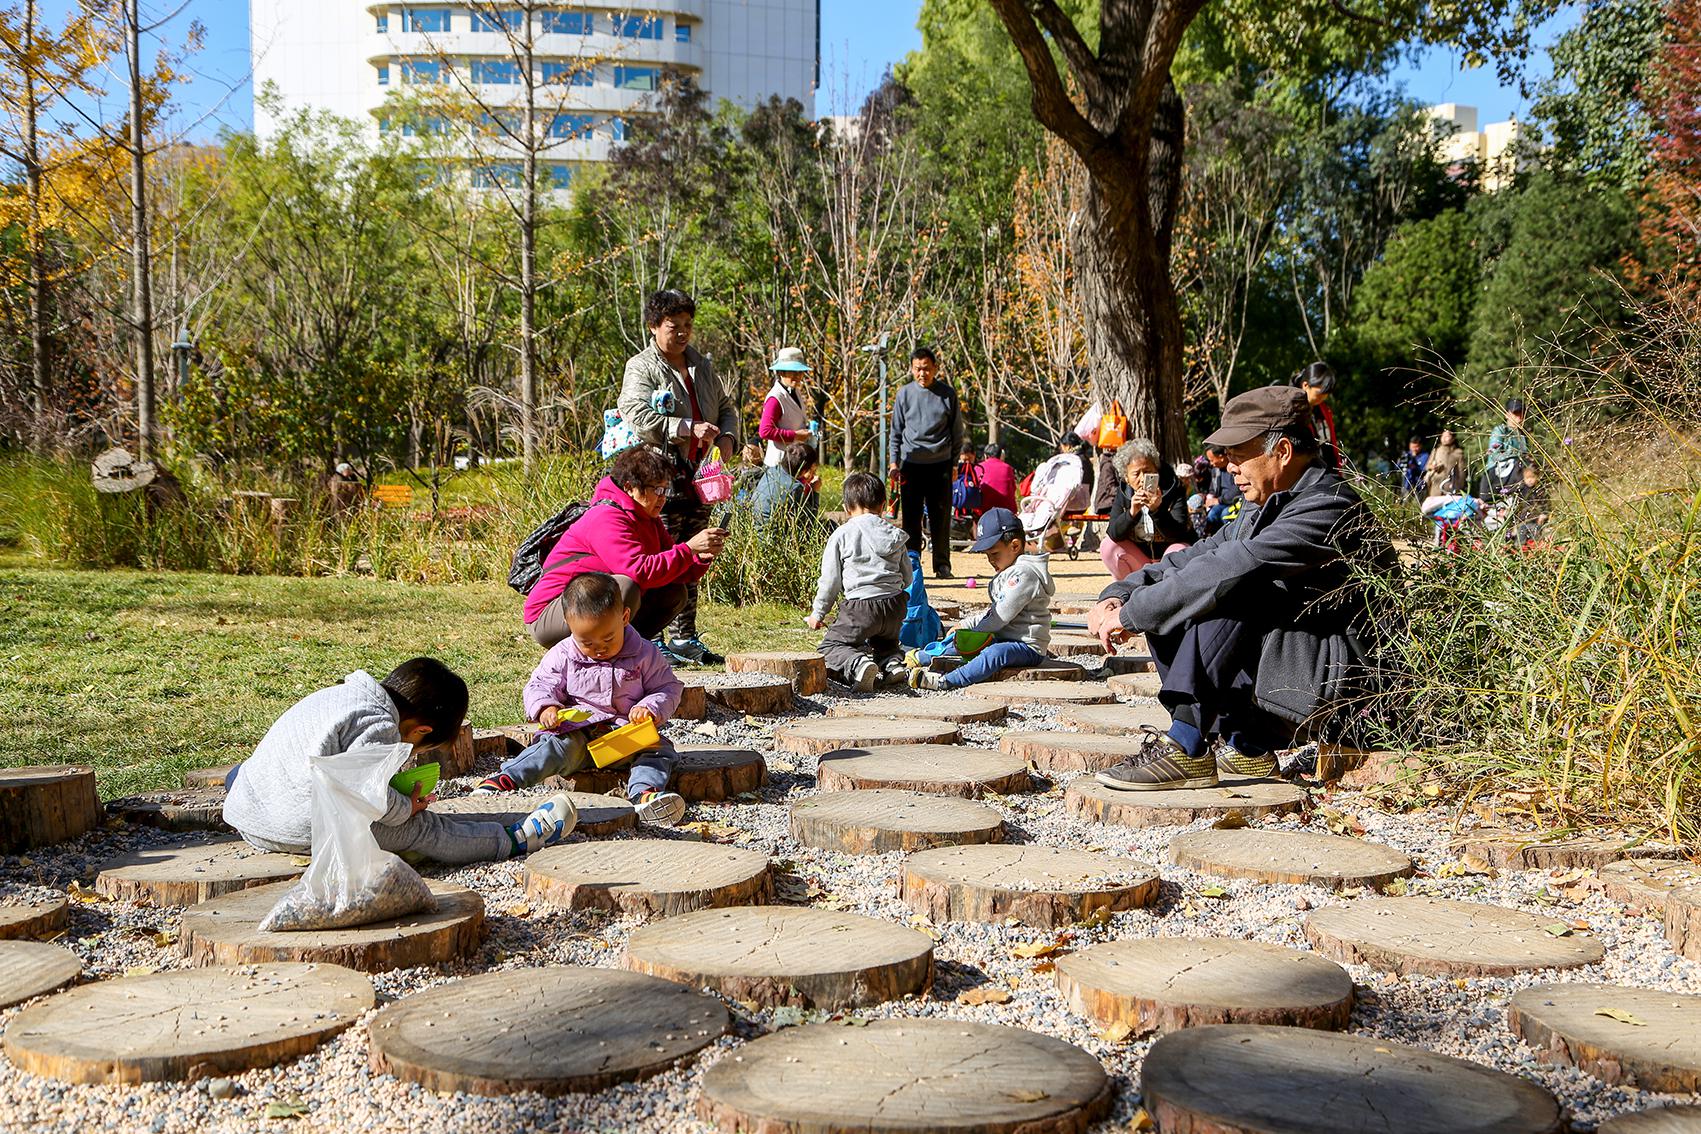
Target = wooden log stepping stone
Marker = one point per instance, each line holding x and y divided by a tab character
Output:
711	773
1383	767
1647	882
650	877
184	874
1659	1120
46	804
755	694
693	699
1113	720
1135	661
1683	921
1505	850
186	809
1070	751
553	1030
1018	694
1441	937
771	955
1074	646
225	931
918	1076
494	745
1135	684
1045	887
1073	602
880	821
828	734
937	769
1652	1042
22	920
950	707
1052	669
207	777
186	1024
599	815
1289	856
1164	983
1253	1079
1094	802
455	757
807	672
30	968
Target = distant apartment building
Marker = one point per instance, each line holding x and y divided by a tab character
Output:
1494	150
601	62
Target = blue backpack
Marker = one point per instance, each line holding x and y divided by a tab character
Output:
921	622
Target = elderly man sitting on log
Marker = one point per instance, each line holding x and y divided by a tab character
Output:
1260	632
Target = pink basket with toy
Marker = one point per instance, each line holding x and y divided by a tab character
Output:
713	483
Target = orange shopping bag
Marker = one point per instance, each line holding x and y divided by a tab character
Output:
1113	426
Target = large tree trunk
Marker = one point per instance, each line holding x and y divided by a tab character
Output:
142	313
38	298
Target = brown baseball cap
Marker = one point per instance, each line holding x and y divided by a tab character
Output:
1259	411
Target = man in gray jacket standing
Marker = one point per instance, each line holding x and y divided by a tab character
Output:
927	434
673	400
1262	630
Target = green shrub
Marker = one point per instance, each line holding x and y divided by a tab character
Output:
779	562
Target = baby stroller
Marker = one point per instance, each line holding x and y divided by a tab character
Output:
1451	514
1054	491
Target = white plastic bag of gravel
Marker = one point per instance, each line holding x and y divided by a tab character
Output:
351	880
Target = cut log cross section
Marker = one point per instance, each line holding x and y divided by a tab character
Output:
599	815
751	694
1440	937
22	920
1249	799
827	734
1659	1120
1639	1036
878	822
938	769
1683	921
1113	720
30	968
931	706
1289	856
648	877
1071	751
806	672
46	804
1647	883
1045	887
183	874
187	809
1016	694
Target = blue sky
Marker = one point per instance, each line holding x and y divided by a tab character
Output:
859	40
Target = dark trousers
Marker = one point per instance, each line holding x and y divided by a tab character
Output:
685	515
1209	670
929	487
865	628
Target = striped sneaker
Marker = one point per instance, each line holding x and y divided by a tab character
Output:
490	785
660	808
1161	765
1231	761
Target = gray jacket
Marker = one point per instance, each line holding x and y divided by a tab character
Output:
271	798
647	371
1288	566
865	559
1021	602
927	424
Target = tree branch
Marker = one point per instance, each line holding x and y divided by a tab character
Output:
1052	105
1083	64
1163	39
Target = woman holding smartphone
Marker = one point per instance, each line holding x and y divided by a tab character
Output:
1148	514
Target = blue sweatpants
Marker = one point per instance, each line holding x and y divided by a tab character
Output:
551	755
990	662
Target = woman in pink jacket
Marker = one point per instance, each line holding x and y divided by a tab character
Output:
623	535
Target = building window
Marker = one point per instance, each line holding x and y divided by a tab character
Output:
637	78
503	121
616	129
638	27
573	74
682	33
422	71
574	126
509	173
421	127
383	23
560	176
569	23
501	72
495	21
426	20
383	74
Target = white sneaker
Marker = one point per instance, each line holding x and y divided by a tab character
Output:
549	823
924	679
867	676
660	808
895	672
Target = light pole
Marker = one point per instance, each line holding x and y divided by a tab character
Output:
878	350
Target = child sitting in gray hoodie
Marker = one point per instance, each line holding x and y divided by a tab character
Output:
866	561
1020	618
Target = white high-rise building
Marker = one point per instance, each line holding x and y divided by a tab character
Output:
602	58
1493	150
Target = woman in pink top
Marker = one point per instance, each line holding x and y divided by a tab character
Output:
623	535
785	415
997	480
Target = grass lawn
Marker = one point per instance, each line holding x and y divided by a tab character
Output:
147	675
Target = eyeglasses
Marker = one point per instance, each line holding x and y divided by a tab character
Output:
665	491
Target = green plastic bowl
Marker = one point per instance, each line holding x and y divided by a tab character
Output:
971	642
425	776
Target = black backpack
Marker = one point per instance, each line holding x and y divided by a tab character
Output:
527	567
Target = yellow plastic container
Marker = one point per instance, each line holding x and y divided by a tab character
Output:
624	743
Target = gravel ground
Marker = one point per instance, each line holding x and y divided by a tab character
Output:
1464	1018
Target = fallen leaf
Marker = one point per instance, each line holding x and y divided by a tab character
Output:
1187	910
518	909
1036	949
1557	929
139	970
1233	821
288	1108
164	938
1097	919
787	1016
1141	1121
1213	892
984	994
1475	864
779	767
1622	1016
1116	1032
855	1021
80	893
1028	1094
1044	967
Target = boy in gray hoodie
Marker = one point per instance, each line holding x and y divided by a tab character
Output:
1020	618
866	561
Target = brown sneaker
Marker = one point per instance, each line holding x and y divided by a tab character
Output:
1161	765
1231	761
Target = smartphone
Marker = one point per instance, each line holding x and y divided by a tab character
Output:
1148	482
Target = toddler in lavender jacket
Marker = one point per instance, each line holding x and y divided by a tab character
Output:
616	674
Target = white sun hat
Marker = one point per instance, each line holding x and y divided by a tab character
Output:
789	358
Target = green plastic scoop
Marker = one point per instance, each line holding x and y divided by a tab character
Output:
425	776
